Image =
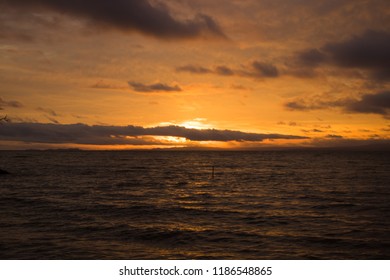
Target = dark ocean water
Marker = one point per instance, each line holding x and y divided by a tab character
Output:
165	205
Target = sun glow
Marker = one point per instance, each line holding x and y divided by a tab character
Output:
198	123
170	139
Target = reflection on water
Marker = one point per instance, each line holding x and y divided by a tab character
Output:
166	205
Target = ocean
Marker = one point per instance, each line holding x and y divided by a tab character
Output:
171	205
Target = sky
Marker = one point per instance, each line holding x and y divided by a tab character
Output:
232	74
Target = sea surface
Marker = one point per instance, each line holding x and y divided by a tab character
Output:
167	205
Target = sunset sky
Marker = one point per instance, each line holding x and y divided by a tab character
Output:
98	74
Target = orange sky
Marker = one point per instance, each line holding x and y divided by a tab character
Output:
228	74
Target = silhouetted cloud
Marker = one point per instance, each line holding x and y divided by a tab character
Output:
140	15
376	103
339	142
12	103
115	135
193	69
368	51
255	70
140	87
302	105
224	71
312	130
334	136
265	69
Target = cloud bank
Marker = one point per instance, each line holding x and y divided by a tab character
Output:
367	51
256	69
134	15
117	135
140	87
377	103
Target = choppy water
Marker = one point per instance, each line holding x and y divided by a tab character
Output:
165	205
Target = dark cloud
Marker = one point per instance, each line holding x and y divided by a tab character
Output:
104	85
339	142
368	51
381	74
312	130
302	105
140	87
193	69
255	70
224	71
12	103
140	15
316	103
334	136
115	135
216	135
376	103
264	70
